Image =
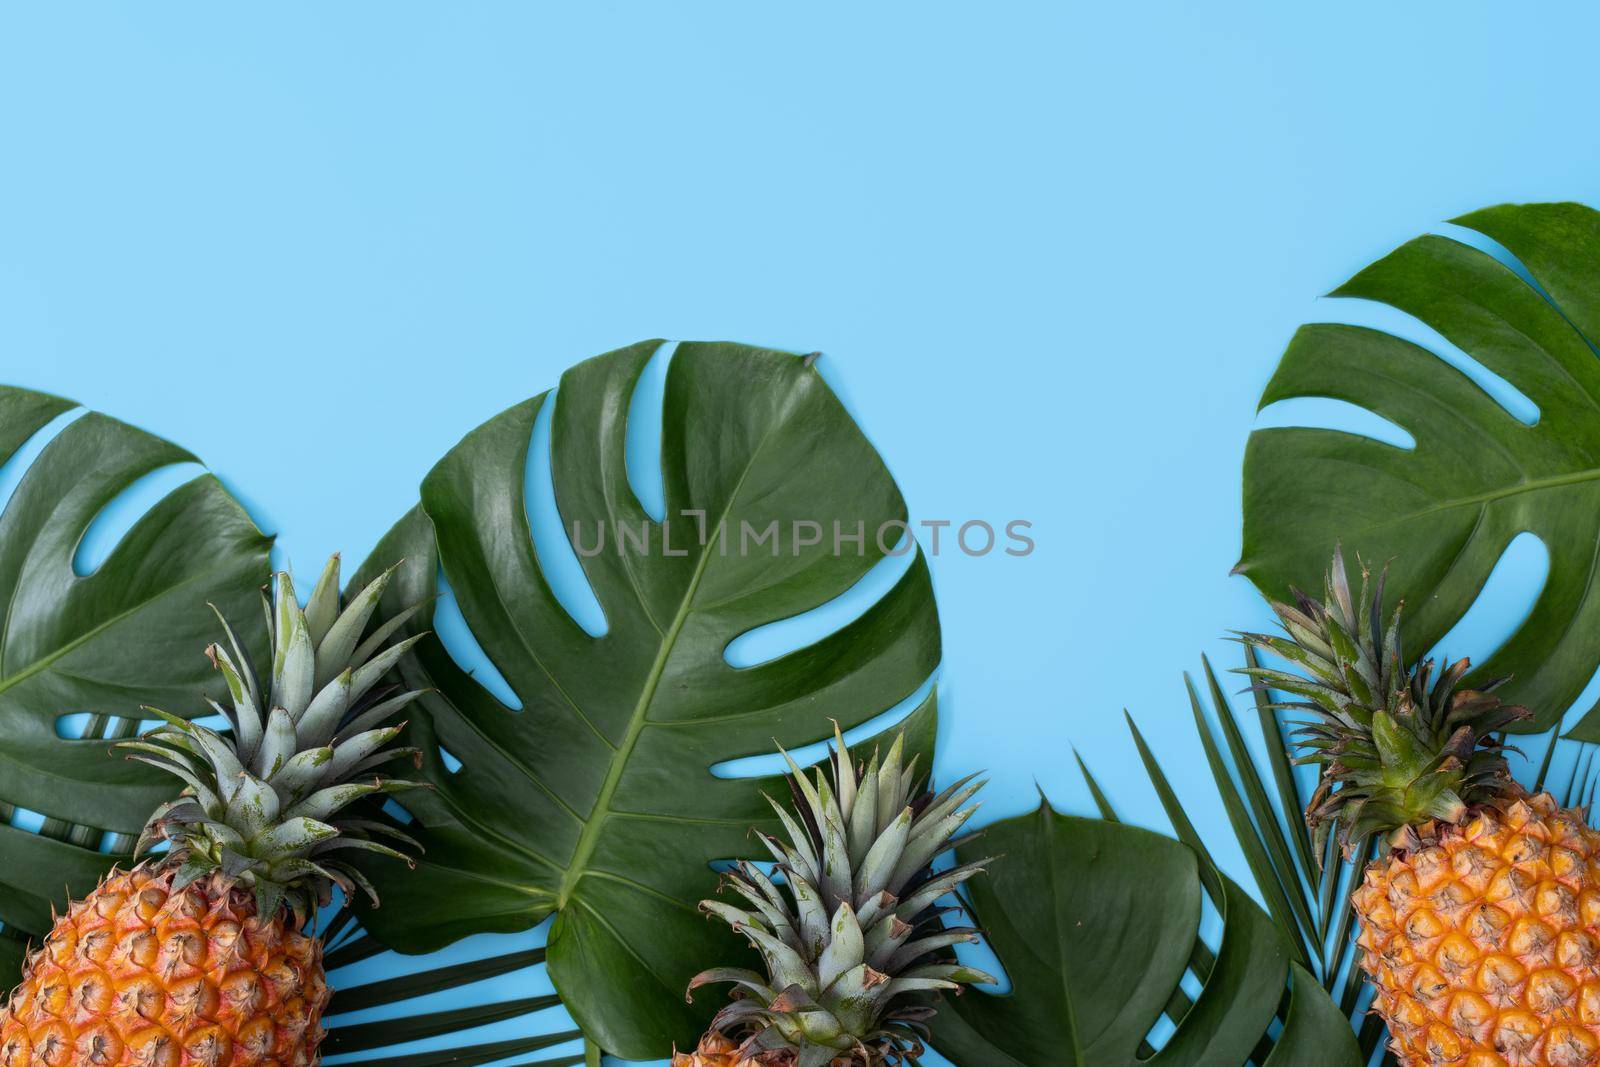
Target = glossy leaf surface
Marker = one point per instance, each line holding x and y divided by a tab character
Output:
1445	511
596	800
1096	923
132	632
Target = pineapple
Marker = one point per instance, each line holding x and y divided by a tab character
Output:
1480	926
857	942
201	957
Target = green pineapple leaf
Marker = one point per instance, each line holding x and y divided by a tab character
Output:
596	801
1096	924
1444	511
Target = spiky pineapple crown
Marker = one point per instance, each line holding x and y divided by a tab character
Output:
1397	747
263	803
857	937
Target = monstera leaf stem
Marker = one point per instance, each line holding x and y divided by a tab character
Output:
594	823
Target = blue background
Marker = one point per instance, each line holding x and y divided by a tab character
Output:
1051	252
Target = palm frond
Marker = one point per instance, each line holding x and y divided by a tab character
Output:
1305	884
370	1020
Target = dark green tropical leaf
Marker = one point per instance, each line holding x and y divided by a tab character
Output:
13	950
486	1052
1096	923
405	987
1202	961
596	800
1444	511
363	1037
1307	901
131	633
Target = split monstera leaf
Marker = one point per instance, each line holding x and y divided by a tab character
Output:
105	643
596	801
1445	510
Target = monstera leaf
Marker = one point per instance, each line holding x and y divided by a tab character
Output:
1301	889
1095	923
1444	511
596	800
130	633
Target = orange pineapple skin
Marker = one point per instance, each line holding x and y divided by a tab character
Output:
136	975
717	1050
714	1051
1484	942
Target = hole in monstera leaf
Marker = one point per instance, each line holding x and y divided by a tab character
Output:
1501	254
17	464
1585	700
1326	413
449	760
1489	247
551	539
1166	1026
87	728
1211	925
107	529
71	727
89	837
457	638
1354	311
772	640
767	867
26	819
394	810
211	721
1502	605
1160	1032
1189	982
767	764
643	449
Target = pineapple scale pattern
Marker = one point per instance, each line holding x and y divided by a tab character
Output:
140	976
1484	943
